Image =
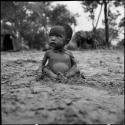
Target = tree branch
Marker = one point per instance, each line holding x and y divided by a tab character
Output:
99	16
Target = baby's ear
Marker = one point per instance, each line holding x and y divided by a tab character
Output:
67	41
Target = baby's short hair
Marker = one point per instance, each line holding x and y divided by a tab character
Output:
68	31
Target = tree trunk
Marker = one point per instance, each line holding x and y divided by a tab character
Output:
124	23
32	41
106	24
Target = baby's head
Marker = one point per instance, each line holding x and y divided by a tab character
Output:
60	35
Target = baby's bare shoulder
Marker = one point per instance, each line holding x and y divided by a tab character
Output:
48	52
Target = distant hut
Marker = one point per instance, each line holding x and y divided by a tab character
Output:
9	40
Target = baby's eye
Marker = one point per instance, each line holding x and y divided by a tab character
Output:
56	35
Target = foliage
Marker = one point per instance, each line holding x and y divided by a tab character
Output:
60	14
119	2
121	43
110	19
31	20
90	7
90	40
122	22
95	2
5	6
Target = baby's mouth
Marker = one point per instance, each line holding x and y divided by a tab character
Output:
52	44
56	46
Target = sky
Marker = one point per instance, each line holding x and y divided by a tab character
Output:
83	22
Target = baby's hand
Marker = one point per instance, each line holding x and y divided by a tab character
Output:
68	75
61	75
39	74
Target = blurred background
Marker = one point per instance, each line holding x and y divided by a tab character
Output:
95	24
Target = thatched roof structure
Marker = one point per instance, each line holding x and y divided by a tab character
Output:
9	39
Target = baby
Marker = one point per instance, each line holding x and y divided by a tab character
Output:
57	60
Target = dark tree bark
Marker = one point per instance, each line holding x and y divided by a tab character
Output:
106	24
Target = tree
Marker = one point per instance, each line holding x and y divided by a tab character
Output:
61	14
108	22
93	5
49	15
90	7
15	15
41	10
30	19
27	19
122	22
5	6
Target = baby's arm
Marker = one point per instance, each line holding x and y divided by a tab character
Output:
74	69
42	64
50	73
46	69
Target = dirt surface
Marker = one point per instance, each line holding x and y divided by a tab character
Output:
97	100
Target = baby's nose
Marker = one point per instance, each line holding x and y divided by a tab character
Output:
53	38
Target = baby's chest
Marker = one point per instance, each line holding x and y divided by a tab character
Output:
59	57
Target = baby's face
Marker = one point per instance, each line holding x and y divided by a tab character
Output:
56	41
57	38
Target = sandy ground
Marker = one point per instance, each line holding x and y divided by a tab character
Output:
98	100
